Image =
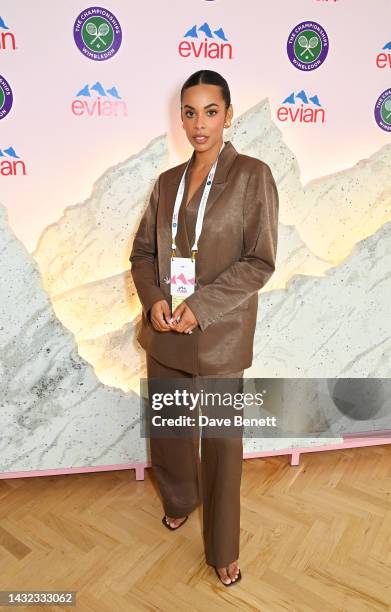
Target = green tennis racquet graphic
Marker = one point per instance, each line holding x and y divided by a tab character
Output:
387	106
92	30
306	44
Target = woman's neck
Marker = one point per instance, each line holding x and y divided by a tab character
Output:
205	159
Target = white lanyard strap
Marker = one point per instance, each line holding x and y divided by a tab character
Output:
202	206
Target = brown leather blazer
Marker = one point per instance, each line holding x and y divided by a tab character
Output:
236	257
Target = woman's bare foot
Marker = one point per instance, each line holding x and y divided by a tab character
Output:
230	573
174	522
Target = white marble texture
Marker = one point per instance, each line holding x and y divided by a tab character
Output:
55	413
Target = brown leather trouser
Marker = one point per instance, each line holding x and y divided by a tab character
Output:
185	482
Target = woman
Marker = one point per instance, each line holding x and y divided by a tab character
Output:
214	217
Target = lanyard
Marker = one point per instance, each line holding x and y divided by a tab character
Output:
201	209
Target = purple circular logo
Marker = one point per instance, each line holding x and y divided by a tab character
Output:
6	97
97	33
383	110
307	45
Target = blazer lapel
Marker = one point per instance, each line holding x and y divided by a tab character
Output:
226	159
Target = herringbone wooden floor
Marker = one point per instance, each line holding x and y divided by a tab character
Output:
316	537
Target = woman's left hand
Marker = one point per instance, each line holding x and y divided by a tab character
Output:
187	321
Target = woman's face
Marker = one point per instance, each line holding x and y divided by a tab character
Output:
203	114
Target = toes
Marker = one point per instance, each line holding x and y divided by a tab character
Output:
224	576
233	572
174	522
169	521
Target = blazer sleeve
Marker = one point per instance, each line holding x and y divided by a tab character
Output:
257	262
143	255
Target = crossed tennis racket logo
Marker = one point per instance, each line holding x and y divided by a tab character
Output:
307	44
387	107
97	32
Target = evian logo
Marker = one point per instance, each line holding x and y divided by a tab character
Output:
301	108
206	43
383	59
11	164
7	38
96	101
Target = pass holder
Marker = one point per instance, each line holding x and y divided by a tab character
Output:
182	278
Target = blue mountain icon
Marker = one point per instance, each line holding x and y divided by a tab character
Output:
291	99
220	33
99	89
387	46
315	100
2	24
114	92
10	152
302	96
84	92
192	32
205	28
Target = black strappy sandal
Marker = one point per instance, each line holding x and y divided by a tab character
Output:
232	581
164	521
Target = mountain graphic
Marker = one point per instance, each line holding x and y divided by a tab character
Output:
291	99
182	278
99	89
10	152
315	100
220	33
302	96
114	92
205	28
387	46
2	24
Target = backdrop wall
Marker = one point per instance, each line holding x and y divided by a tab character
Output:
90	115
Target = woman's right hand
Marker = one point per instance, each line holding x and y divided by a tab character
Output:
160	315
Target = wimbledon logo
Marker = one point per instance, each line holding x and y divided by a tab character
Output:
307	45
97	33
383	110
6	97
